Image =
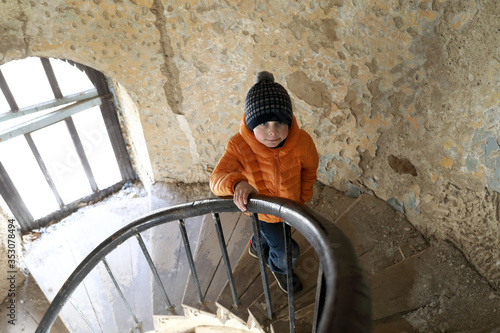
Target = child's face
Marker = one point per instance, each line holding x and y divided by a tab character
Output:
271	134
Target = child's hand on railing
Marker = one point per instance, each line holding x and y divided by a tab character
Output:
241	192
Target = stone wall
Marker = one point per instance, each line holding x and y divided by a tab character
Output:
401	97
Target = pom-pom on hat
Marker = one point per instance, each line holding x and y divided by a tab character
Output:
267	101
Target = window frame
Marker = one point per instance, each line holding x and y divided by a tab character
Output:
102	95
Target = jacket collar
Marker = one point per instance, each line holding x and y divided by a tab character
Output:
249	137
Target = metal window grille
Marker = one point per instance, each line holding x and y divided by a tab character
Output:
41	116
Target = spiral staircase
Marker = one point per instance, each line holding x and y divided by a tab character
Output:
395	258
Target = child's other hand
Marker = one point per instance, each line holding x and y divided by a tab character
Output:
241	192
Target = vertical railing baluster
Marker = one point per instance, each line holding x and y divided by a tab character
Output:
225	256
153	268
263	275
289	274
84	317
320	297
120	292
185	239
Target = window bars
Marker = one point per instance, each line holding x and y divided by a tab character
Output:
74	103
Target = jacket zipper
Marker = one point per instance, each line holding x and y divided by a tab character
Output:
277	173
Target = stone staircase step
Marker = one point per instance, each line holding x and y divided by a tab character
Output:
416	275
301	301
400	325
208	258
245	272
248	281
392	326
329	201
216	329
236	245
380	235
490	329
248	286
303	321
194	319
174	268
134	290
279	299
178	324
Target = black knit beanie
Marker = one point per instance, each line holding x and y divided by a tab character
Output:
267	101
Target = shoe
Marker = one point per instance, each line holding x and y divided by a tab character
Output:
282	282
253	252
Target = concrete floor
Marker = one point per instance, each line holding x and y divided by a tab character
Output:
54	252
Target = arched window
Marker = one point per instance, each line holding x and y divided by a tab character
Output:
61	146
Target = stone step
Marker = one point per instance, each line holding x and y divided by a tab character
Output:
209	264
249	283
307	270
236	245
303	321
183	324
397	325
400	325
329	201
303	302
173	268
380	235
407	285
219	329
490	329
248	286
456	298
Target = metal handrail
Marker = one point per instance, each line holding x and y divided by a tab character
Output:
342	301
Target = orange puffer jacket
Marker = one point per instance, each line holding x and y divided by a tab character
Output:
287	172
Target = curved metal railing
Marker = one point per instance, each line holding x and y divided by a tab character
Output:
342	300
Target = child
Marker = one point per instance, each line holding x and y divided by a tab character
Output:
271	156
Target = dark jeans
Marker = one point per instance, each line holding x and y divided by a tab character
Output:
273	242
